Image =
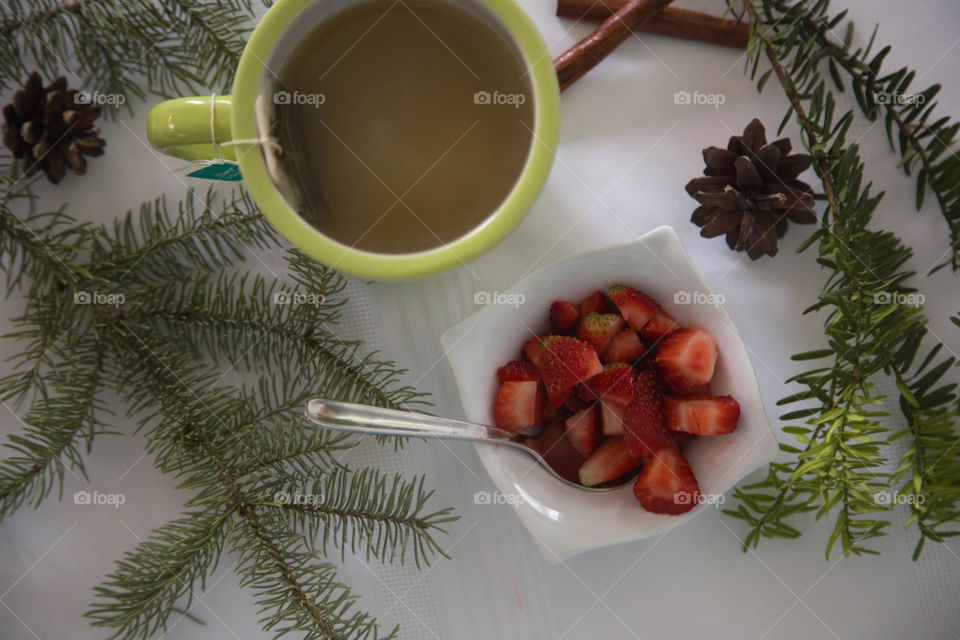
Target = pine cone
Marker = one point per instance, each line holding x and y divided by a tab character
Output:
48	128
751	192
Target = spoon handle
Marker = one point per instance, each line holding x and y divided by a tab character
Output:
360	418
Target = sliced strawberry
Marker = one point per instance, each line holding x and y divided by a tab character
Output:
597	329
666	483
611	418
624	347
563	315
686	358
614	384
643	425
596	302
583	431
635	307
516	405
564	363
701	415
518	370
558	452
532	348
610	461
659	325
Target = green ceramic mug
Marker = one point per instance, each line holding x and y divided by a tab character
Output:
183	128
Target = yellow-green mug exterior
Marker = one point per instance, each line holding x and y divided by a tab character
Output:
182	128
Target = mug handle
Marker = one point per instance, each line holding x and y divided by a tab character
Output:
182	128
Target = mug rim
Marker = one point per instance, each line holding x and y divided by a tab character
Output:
400	266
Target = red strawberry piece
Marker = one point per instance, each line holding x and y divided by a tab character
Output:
564	363
659	325
643	424
666	483
597	329
596	302
563	315
557	451
583	431
610	461
611	418
624	347
517	371
578	401
614	384
686	358
516	405
532	348
701	415
635	307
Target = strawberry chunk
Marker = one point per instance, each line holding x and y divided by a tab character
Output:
563	315
564	363
686	358
610	461
597	329
661	324
701	415
635	307
614	384
583	431
518	371
532	348
643	422
516	405
666	483
596	302
611	418
624	347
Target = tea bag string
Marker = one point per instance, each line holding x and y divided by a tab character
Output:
264	140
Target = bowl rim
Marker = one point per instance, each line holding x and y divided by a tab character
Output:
764	449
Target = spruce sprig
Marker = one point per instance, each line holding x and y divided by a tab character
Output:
127	47
243	453
837	469
924	139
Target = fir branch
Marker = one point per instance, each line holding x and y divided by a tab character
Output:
870	333
162	349
924	140
126	47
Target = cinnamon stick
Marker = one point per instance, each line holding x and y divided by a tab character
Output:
588	53
669	21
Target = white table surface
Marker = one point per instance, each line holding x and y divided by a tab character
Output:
626	152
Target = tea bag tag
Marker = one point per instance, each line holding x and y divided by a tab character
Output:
226	171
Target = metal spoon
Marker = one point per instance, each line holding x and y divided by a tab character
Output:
360	418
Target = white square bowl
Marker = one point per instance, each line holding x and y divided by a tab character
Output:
565	521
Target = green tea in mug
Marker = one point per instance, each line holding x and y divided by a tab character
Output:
402	125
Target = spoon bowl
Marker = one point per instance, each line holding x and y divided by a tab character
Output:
365	419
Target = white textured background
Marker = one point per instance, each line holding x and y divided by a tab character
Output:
626	152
